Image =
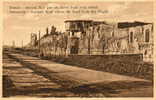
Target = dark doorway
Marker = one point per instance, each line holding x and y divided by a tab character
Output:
131	37
74	45
147	35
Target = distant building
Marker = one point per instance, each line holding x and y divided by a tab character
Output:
140	37
76	29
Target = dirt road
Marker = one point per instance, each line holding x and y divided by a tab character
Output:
30	76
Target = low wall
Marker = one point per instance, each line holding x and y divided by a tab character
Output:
133	57
128	64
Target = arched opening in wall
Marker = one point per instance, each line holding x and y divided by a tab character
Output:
147	35
74	45
131	37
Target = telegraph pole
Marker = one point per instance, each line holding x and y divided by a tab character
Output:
89	40
39	42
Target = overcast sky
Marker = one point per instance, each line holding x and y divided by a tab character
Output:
18	27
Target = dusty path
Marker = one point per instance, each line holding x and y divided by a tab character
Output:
32	76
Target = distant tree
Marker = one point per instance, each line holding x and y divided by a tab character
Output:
53	30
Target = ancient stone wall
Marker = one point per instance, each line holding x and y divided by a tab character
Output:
102	39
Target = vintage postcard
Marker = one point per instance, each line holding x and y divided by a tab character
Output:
89	49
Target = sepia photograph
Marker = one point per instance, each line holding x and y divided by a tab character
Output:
78	49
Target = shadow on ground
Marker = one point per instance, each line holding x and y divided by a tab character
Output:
113	89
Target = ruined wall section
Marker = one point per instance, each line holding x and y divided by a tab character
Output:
95	38
52	45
